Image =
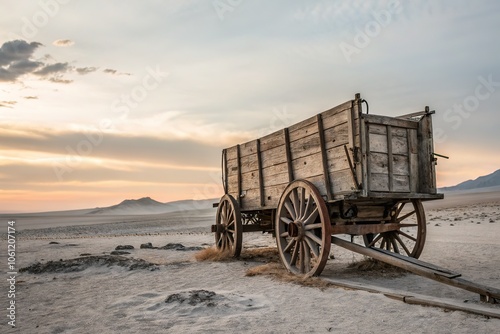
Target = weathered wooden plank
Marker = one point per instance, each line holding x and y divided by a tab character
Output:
238	159
248	148
232	166
401	183
273	156
385	120
249	163
331	120
249	181
231	152
377	129
379	163
305	146
399	132
261	181
224	170
426	165
272	140
288	154
379	182
324	158
400	165
273	195
298	130
333	112
364	144
390	148
336	136
276	174
232	184
342	182
378	143
413	160
308	166
399	145
337	159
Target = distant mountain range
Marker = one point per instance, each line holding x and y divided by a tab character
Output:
489	180
147	205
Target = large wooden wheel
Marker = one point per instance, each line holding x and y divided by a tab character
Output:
409	240
228	235
303	229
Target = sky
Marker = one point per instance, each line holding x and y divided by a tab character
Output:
106	101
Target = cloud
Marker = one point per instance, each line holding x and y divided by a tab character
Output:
31	97
114	72
52	69
17	50
7	104
16	60
63	42
85	70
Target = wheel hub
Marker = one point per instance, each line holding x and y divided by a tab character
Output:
296	229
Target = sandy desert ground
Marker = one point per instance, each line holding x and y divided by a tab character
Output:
166	290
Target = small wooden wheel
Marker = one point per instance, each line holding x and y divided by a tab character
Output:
409	240
303	229
228	235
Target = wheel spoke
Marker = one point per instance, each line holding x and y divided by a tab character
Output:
313	248
295	254
394	245
307	257
289	208
405	216
398	211
312	217
313	226
286	220
374	241
407	236
396	236
408	225
289	246
284	235
295	202
314	238
302	203
302	256
309	202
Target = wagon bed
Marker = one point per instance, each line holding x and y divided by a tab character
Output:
345	153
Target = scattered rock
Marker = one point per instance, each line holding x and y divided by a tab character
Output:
53	243
478	223
147	245
122	247
119	252
452	225
85	254
457	219
82	263
437	225
491	220
193	297
180	247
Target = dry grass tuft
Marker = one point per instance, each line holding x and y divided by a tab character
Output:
369	265
277	271
213	254
267	254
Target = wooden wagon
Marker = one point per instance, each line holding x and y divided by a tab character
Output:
340	172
